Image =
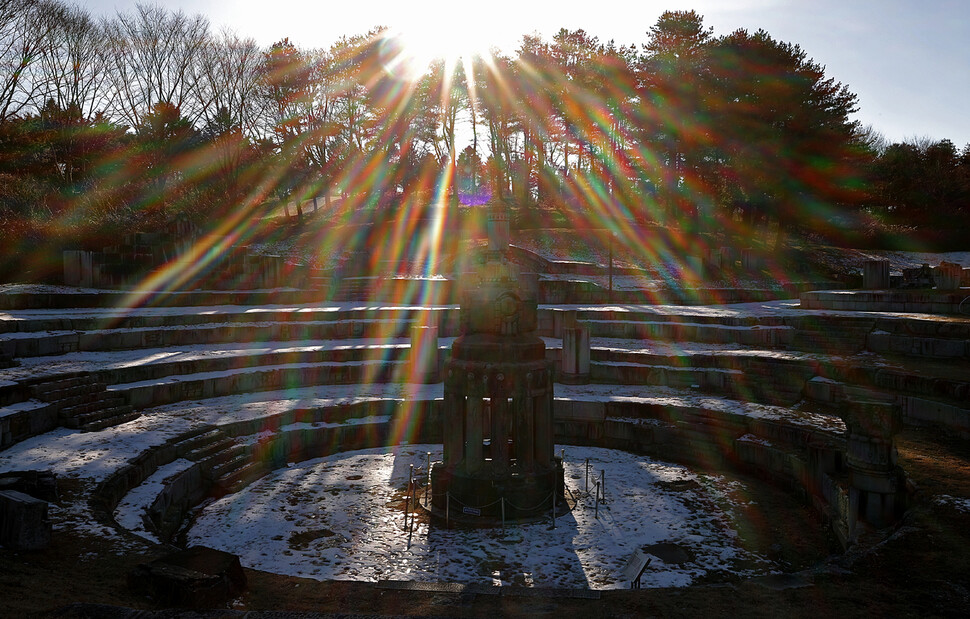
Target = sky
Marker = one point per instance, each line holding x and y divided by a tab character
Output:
908	62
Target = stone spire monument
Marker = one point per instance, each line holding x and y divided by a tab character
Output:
499	459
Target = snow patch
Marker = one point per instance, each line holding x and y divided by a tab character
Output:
751	438
131	511
338	518
960	504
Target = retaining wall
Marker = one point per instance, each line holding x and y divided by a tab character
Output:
775	450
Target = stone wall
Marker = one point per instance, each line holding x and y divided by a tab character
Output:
189	487
914	301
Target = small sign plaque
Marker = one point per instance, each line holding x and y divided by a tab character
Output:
471	511
634	568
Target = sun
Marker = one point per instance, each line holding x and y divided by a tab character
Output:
417	46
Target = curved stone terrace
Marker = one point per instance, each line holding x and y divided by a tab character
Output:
209	400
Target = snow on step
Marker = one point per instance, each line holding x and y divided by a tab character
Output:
177	378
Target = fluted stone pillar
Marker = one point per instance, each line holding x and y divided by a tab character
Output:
423	355
499	459
575	355
871	457
948	276
875	274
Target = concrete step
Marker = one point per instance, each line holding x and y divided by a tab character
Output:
193	440
105	401
205	450
61	383
107	422
96	416
196	317
228	460
163	390
687	360
242	360
63	388
757	335
626	373
817	342
133	339
236	480
80	399
899	382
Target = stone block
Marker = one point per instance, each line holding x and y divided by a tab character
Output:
77	268
575	355
620	431
38	484
900	344
197	577
875	275
712	259
948	276
948	348
695	268
423	361
824	390
568	411
879	341
751	260
24	523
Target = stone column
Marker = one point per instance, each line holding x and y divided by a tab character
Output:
498	228
544	437
751	260
77	268
695	267
454	428
875	275
712	259
871	458
575	355
948	276
423	355
474	457
524	429
500	431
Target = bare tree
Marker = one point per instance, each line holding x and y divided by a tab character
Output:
75	65
26	28
228	82
154	59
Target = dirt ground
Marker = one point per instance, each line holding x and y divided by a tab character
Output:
922	569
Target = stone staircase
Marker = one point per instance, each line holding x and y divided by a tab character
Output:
228	464
83	403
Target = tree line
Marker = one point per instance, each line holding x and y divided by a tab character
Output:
135	119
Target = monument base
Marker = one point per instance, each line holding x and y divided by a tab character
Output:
488	499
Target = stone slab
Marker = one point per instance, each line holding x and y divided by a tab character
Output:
196	577
24	523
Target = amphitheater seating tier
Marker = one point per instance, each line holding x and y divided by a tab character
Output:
769	385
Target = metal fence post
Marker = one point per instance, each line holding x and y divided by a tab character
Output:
596	503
